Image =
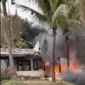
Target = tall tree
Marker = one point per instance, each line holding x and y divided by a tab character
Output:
7	34
17	22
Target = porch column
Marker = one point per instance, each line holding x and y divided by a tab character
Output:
31	61
7	63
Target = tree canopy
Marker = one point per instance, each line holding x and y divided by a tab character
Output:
64	13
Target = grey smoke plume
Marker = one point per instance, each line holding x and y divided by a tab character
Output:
76	42
46	44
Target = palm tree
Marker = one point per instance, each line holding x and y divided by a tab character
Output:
7	34
63	13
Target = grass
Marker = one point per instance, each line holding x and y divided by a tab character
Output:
33	83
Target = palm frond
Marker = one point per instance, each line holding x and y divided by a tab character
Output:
60	15
75	11
44	5
57	3
69	2
33	12
49	7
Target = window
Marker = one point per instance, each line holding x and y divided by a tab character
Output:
19	65
23	65
37	64
27	65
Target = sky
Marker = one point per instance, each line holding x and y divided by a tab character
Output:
24	14
12	8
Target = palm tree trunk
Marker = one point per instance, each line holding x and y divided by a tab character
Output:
53	56
68	63
11	62
10	49
59	65
0	71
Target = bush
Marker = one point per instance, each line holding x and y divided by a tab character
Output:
6	74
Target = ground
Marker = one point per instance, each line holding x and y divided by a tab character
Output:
34	83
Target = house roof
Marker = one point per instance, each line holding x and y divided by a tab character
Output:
18	51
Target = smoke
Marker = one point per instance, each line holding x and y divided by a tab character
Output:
47	45
81	79
69	76
77	77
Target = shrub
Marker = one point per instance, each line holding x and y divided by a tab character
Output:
6	74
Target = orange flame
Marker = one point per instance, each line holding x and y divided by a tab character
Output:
64	67
73	66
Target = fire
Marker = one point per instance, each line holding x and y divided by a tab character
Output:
47	63
73	66
64	67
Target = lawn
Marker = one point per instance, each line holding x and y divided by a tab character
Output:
34	83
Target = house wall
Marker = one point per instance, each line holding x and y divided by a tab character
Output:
28	63
37	73
4	62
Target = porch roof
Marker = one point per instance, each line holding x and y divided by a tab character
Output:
18	51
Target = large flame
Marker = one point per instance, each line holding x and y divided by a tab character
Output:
73	66
64	67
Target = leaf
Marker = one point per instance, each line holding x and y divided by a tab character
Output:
60	16
33	12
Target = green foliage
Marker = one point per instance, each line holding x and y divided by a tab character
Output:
21	44
16	24
55	13
5	75
48	7
14	83
68	14
21	29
